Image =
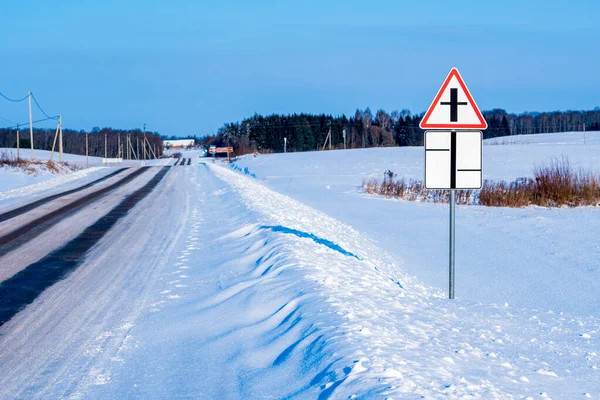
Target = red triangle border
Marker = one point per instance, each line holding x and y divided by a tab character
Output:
453	73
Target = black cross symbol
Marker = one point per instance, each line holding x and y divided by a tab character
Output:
453	103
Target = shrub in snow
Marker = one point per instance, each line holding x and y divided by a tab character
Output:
553	185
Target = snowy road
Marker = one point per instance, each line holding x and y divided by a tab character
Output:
214	286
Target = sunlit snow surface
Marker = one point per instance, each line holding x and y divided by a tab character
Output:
263	313
17	182
539	258
292	283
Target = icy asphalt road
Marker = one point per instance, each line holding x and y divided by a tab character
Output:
215	287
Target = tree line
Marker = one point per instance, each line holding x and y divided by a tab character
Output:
74	141
307	132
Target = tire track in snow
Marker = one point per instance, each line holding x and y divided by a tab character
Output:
33	205
182	265
29	231
25	286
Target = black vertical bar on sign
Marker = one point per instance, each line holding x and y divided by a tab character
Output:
453	105
453	160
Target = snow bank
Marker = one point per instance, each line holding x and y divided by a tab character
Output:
44	155
382	333
536	258
17	183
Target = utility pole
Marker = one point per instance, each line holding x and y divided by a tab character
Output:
132	153
60	139
86	150
105	148
18	155
149	149
327	138
119	145
30	124
129	147
329	135
54	141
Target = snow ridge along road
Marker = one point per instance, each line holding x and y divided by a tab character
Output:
400	342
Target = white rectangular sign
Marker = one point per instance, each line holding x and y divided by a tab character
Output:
453	159
111	160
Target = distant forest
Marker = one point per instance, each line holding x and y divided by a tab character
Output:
307	132
74	141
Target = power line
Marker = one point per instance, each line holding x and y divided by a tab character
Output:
33	122
7	121
40	108
48	117
13	100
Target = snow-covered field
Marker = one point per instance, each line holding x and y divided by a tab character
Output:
44	155
16	182
539	258
503	159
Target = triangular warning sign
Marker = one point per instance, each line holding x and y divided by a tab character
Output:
453	107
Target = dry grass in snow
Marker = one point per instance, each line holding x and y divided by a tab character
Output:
33	167
553	185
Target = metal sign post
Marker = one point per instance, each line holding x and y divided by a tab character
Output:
453	151
452	219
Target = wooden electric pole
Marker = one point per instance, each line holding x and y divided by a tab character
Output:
60	139
18	147
30	124
86	151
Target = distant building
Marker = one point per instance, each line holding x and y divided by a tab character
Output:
178	144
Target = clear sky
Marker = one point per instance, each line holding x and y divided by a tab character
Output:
186	67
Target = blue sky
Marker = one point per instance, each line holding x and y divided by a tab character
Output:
186	67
